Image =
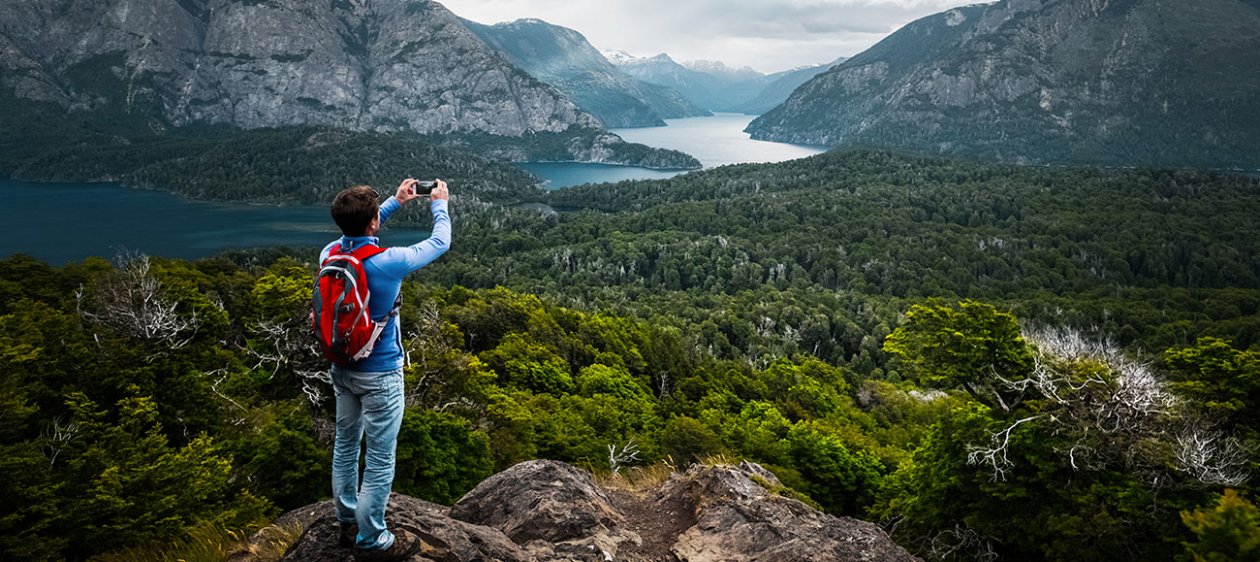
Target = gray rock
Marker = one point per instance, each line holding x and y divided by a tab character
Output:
377	65
737	519
467	542
550	511
551	503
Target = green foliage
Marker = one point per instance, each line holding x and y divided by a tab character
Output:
139	488
972	346
1221	379
688	440
771	313
610	381
840	478
280	456
1229	531
283	291
440	457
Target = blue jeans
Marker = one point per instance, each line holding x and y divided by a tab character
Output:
368	405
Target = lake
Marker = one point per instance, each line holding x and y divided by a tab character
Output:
60	223
714	141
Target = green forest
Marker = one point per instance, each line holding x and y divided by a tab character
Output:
990	361
285	165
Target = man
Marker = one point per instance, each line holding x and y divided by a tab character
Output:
370	394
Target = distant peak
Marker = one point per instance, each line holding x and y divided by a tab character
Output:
619	57
719	67
526	21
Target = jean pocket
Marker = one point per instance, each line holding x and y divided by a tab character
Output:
386	393
390	383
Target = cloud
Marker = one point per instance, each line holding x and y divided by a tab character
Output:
768	35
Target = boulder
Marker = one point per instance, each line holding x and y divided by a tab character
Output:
551	511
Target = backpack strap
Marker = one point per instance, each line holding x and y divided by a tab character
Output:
362	254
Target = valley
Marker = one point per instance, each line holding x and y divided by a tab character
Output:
974	285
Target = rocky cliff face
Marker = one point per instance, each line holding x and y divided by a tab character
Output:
377	65
545	510
563	58
1125	82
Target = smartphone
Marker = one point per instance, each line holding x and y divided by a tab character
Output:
424	187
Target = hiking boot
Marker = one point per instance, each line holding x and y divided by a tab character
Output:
349	535
405	545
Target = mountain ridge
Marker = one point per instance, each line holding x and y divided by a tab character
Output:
1109	82
358	65
116	72
563	57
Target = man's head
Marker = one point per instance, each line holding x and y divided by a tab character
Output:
355	210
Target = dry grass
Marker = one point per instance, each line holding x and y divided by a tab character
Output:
637	478
209	543
720	459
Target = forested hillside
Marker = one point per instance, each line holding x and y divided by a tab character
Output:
286	165
1030	363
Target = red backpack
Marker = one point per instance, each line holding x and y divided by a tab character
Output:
341	320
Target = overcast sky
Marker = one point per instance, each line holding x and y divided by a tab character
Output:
768	35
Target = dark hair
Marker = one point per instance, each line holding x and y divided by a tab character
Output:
353	209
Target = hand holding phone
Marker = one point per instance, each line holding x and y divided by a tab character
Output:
424	187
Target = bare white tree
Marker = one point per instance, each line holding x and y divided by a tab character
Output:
56	435
996	454
1211	457
429	344
1109	402
131	300
289	344
962	542
623	455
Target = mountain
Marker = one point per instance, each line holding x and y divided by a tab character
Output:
780	87
549	510
719	69
376	65
710	85
1117	82
563	58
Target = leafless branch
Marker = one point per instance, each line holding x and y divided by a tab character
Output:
620	456
56	435
962	541
996	454
1212	458
220	375
288	344
131	300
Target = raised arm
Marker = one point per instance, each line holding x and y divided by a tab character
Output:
389	207
401	261
406	192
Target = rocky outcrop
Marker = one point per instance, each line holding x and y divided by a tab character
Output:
564	58
375	65
1119	82
550	511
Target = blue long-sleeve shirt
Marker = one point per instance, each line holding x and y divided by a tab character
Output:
385	273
